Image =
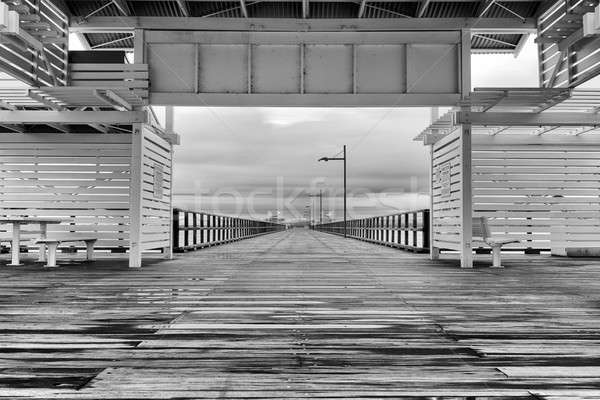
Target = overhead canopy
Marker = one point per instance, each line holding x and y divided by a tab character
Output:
535	111
518	15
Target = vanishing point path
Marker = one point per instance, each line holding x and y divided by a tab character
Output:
301	314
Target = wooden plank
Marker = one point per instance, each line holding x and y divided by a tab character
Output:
302	319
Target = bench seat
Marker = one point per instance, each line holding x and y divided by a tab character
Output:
53	242
482	233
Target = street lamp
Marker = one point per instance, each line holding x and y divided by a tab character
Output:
344	160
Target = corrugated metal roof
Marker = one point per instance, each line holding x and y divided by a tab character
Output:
99	8
320	9
386	9
155	8
109	40
450	10
495	42
275	9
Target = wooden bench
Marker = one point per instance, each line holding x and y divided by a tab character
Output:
52	244
481	230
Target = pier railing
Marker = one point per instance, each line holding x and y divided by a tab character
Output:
407	230
194	230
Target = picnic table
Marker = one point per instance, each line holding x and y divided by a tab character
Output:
16	234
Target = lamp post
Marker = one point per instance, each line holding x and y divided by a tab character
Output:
344	160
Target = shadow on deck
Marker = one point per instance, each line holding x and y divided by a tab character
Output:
302	314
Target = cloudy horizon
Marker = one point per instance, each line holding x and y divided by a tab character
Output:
254	162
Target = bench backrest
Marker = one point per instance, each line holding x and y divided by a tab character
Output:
480	228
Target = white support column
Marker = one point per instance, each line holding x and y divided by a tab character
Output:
465	62
139	56
135	198
169	121
466	213
135	189
434	252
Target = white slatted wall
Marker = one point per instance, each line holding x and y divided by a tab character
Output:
156	192
446	184
543	190
81	177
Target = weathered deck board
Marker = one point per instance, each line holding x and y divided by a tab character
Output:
301	314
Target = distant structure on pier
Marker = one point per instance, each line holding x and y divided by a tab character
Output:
276	217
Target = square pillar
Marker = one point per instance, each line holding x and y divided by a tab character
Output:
135	198
466	209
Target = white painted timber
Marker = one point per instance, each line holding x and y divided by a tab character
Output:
81	178
544	191
410	68
72	117
446	181
156	192
479	25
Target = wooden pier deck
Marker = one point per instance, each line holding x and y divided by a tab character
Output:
301	314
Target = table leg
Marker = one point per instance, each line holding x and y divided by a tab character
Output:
43	235
16	245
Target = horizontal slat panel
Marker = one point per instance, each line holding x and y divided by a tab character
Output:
89	186
521	188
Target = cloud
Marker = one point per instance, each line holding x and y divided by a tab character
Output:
267	156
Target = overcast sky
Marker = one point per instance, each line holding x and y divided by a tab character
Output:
259	160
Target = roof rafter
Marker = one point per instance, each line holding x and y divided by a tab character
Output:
483	7
123	7
305	9
477	25
183	7
388	11
14	128
422	8
361	8
243	8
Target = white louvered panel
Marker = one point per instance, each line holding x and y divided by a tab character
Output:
83	178
156	207
447	206
544	193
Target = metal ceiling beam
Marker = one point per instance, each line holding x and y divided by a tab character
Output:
303	100
483	7
327	1
123	7
14	128
422	8
305	9
361	8
478	25
243	8
183	7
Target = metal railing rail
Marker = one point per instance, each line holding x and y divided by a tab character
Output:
193	230
407	230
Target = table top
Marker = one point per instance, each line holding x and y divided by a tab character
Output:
30	220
